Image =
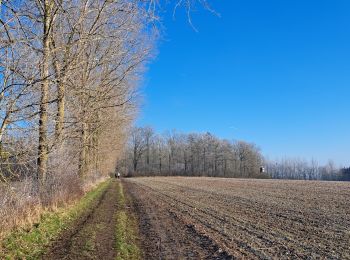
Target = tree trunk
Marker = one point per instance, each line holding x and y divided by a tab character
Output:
169	166
60	74
135	159
185	160
60	111
95	155
147	153
3	127
160	164
43	112
83	151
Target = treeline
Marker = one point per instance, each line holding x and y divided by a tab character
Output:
148	154
68	74
193	154
299	169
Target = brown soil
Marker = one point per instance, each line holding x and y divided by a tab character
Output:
93	234
213	218
165	234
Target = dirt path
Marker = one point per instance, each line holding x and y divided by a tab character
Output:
93	235
165	234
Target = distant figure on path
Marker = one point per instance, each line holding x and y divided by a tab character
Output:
117	175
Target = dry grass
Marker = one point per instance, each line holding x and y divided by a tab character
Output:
34	242
22	207
19	206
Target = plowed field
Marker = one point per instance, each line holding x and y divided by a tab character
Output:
213	218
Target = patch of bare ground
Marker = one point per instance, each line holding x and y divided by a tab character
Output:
165	234
213	218
93	235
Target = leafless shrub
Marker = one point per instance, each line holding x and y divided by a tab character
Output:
19	206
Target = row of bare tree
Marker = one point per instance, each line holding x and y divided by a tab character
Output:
301	169
69	71
173	153
68	75
189	154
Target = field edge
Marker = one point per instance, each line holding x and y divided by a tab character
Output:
33	243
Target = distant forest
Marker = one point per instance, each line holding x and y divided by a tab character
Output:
203	154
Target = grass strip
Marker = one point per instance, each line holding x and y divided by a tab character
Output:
126	230
24	244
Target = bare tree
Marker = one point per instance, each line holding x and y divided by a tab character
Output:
192	155
138	145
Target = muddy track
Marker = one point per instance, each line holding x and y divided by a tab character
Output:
92	236
165	234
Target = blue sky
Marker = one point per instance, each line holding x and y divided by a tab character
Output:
276	73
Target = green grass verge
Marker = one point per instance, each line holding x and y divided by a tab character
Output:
22	244
126	230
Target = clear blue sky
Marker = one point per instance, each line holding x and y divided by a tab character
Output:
276	73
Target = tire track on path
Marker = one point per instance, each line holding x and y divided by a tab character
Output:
93	234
